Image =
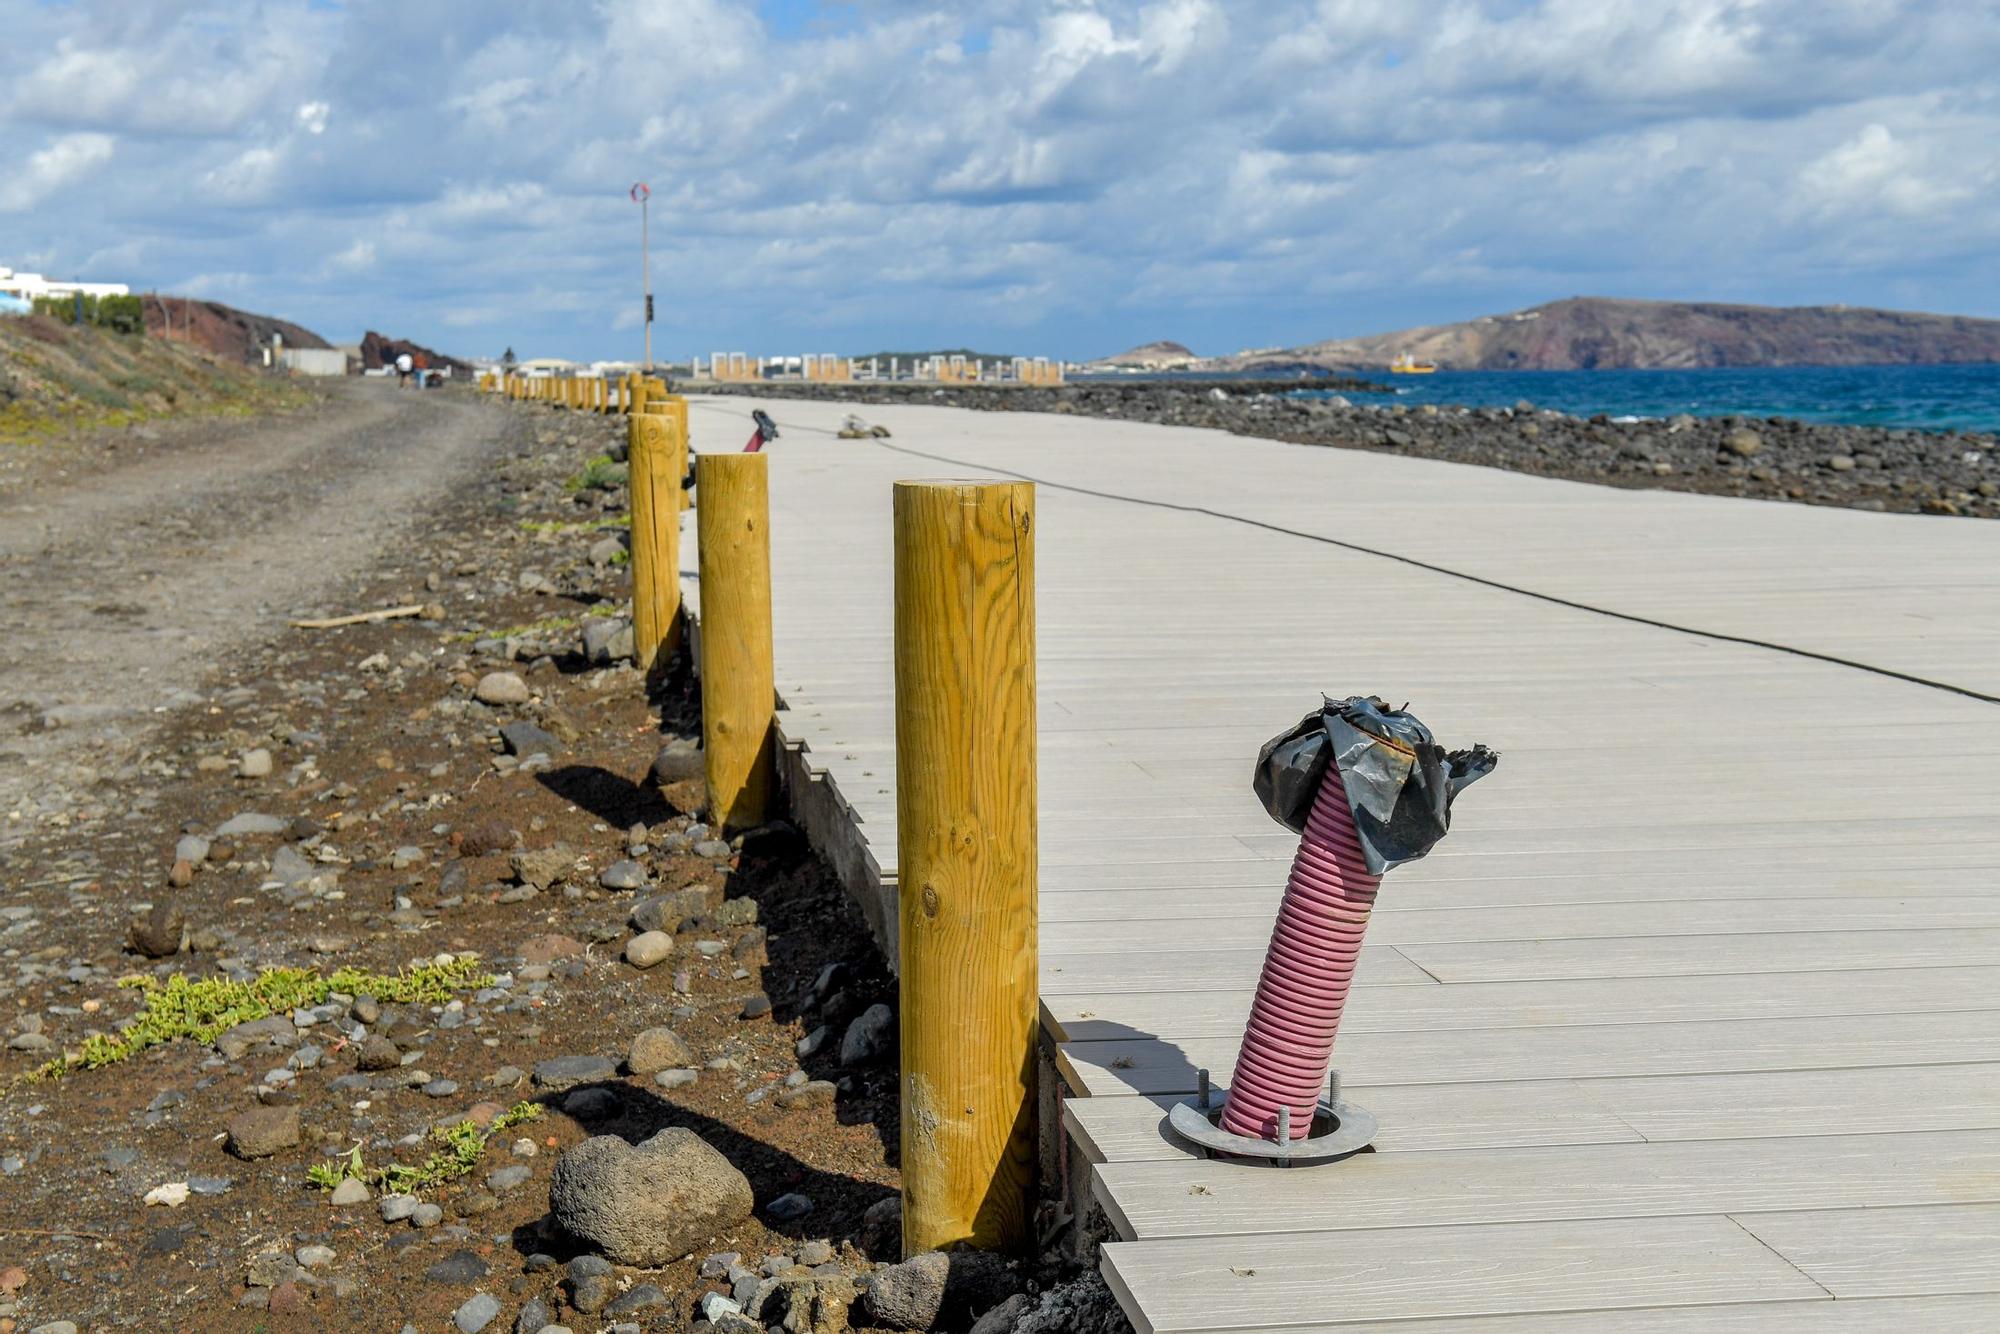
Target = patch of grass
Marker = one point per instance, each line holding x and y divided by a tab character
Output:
599	474
464	1143
586	526
541	627
204	1009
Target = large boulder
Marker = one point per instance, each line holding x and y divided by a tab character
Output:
932	1287
649	1204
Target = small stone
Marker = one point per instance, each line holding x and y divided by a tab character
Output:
181	874
173	1194
192	849
561	1072
524	738
869	1036
814	1093
427	1215
655	1050
674	1079
642	1298
397	1208
458	1267
622	876
587	1266
534	1318
349	1192
714	849
159	932
263	1131
441	1088
1743	442
788	1208
543	867
815	1253
314	1257
756	1007
508	1178
592	1294
249	822
648	949
255	763
501	688
679	761
377	1053
476	1314
1841	463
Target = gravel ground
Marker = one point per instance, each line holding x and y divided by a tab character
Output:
195	789
1859	467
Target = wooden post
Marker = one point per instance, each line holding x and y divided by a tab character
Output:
738	694
655	483
966	868
638	393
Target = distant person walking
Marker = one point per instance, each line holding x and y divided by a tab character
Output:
403	368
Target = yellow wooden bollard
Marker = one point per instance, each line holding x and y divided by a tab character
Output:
656	541
966	869
638	393
737	691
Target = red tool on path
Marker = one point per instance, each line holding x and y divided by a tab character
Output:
766	432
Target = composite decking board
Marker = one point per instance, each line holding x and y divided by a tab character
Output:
1642	769
1692	956
1268	1281
1589	1111
1250	926
1889	1252
1187	1198
1162	1063
1974	1314
1219	1013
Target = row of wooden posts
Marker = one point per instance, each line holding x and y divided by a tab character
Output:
965	778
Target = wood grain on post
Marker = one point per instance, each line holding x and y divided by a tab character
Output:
656	540
966	860
738	693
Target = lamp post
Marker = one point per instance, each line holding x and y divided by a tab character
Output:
640	194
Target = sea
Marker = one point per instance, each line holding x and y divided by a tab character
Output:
1930	398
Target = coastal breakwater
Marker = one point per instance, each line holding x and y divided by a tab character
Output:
1858	467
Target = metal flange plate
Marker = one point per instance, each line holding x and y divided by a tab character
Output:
1352	1129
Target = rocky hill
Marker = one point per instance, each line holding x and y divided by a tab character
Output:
1598	333
57	378
1160	356
232	334
378	350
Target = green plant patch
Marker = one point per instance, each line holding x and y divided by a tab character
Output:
599	474
463	1144
204	1009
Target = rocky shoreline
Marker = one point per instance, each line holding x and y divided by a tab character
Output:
1855	467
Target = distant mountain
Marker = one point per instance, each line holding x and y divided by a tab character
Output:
1160	356
1599	333
238	335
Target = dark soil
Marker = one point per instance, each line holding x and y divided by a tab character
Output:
378	747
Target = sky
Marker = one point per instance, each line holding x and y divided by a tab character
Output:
1054	177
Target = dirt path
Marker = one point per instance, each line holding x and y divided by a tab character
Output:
122	588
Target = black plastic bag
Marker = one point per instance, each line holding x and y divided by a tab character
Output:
1400	782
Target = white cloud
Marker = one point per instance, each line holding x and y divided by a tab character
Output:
67	161
1058	175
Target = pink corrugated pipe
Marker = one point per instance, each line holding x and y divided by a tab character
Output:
1288	1045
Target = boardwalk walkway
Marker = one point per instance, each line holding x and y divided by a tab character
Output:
1698	1009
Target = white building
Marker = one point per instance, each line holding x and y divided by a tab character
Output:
28	286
